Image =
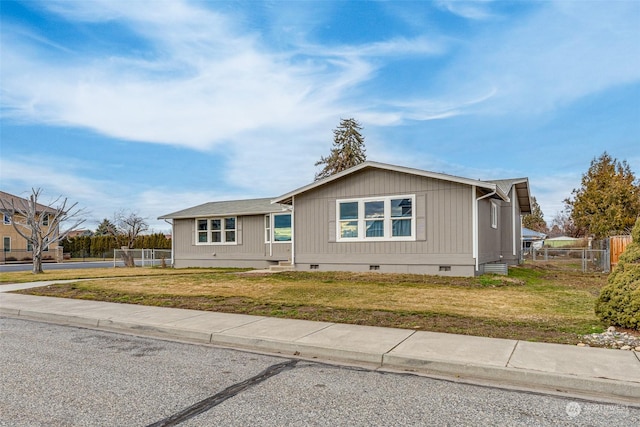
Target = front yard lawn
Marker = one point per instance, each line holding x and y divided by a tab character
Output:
533	303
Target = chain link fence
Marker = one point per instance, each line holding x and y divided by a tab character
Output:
142	257
577	259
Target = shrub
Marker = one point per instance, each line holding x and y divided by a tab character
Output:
619	301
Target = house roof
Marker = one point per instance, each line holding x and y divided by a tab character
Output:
228	207
563	238
19	202
530	234
488	186
522	191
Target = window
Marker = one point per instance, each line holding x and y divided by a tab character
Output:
494	214
7	244
267	228
376	218
216	231
45	220
277	228
7	219
282	227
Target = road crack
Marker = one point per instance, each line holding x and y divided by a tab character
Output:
229	392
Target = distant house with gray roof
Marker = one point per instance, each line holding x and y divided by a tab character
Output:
372	217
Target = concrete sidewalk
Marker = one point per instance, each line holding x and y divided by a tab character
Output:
605	374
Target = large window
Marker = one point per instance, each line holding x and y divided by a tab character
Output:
6	242
376	218
216	231
277	228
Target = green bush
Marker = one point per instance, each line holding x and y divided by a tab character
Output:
619	301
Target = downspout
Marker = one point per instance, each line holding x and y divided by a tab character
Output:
513	220
173	240
293	232
475	222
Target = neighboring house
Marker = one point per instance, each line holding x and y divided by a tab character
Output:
562	241
15	247
373	216
79	233
532	238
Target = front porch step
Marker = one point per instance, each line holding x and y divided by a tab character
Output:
282	266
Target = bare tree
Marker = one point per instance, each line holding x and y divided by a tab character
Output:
130	225
40	224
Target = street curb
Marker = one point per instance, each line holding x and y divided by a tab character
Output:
516	377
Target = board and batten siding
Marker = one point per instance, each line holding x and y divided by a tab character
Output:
251	250
443	215
489	238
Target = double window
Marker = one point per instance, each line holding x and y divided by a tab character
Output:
216	231
376	218
277	228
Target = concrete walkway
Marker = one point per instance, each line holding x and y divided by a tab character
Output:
605	374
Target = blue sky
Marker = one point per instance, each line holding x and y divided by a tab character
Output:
155	106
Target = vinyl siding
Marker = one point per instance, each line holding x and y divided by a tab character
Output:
489	238
442	212
251	250
496	244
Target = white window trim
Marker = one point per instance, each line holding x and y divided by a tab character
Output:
494	214
6	220
223	231
10	243
388	221
267	229
269	233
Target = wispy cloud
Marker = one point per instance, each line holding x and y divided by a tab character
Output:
476	9
203	84
552	57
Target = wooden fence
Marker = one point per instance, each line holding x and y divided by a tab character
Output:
617	245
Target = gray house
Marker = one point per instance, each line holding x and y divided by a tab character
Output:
373	216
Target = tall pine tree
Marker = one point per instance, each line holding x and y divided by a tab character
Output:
535	220
106	228
608	202
348	149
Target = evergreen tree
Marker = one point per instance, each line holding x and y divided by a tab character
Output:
608	202
106	228
535	220
348	149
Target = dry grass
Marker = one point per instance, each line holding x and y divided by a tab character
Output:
96	273
533	303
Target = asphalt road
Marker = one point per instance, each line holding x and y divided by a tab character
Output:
67	376
67	265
